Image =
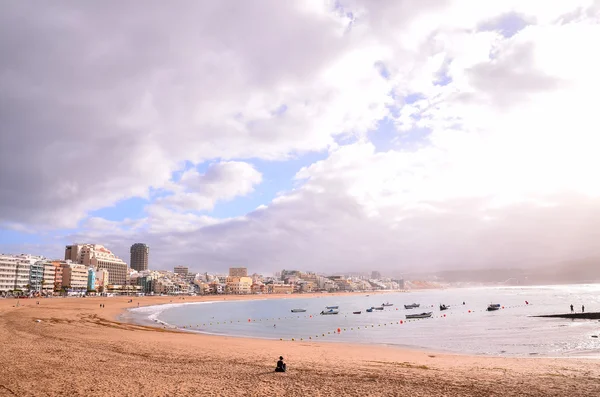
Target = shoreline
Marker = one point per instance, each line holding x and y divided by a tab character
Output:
77	341
158	324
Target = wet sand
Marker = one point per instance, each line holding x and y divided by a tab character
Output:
79	349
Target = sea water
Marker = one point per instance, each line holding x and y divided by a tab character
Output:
467	328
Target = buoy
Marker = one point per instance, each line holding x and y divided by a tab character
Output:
444	315
401	322
503	307
469	311
249	320
293	339
339	330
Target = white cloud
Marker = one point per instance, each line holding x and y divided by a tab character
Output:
506	175
222	181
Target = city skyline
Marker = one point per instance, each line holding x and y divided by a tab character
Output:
337	135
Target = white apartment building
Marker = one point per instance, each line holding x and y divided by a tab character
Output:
98	257
48	277
15	271
75	277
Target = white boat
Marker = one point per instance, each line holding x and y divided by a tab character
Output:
422	315
331	311
412	306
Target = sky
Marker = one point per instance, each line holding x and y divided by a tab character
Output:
347	135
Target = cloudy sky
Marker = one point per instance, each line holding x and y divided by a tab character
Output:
321	135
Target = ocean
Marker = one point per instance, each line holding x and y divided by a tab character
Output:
466	329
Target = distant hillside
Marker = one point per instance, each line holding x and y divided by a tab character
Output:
571	272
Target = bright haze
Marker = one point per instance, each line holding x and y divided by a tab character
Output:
330	136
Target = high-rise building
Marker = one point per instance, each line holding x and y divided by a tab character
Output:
181	270
98	257
238	272
139	256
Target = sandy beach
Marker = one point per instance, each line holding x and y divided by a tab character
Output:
80	349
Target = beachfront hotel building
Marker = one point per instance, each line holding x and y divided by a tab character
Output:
74	277
36	275
181	270
101	280
48	277
15	271
91	279
98	257
238	272
239	285
139	257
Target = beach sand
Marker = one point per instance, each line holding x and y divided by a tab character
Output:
79	349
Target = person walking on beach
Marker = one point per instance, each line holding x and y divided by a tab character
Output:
572	309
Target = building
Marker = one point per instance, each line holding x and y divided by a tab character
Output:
14	273
238	272
280	288
98	257
139	256
375	275
181	270
239	285
101	280
74	277
48	277
91	281
36	275
58	272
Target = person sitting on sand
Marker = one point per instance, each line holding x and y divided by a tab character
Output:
281	367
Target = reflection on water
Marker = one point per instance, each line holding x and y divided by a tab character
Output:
510	331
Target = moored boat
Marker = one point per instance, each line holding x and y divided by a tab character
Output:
387	304
298	310
331	311
370	310
493	307
412	306
422	315
356	312
443	307
332	307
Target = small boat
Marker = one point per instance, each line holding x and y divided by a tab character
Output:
387	304
370	310
412	306
298	310
330	312
443	307
356	312
332	307
493	307
422	315
378	308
